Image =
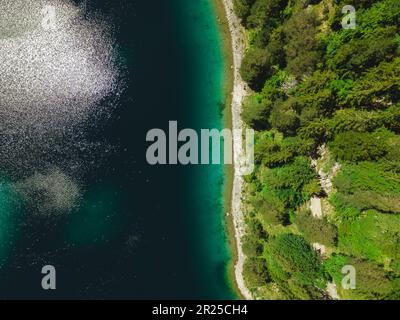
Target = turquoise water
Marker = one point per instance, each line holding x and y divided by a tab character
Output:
202	44
140	231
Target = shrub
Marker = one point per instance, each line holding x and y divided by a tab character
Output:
255	228
293	264
272	153
255	272
252	247
372	282
316	230
293	176
284	189
272	210
367	176
368	186
372	235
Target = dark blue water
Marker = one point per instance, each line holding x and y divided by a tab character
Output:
141	231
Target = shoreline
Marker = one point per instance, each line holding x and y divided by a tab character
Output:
227	88
234	43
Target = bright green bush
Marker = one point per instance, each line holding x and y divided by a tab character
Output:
373	236
368	186
291	259
372	282
367	176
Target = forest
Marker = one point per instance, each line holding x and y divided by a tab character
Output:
325	104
